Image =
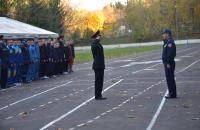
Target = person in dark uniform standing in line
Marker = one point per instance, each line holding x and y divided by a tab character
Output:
61	54
66	57
26	60
43	59
168	55
4	53
98	64
50	57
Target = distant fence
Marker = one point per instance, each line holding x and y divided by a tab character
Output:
178	42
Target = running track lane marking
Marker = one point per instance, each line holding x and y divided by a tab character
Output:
76	108
153	120
22	100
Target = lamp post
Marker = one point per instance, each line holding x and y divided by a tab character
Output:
176	20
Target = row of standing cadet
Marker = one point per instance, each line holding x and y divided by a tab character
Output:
33	59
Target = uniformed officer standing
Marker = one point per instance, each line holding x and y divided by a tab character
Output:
168	55
19	60
37	61
12	62
43	59
33	57
4	53
98	65
26	60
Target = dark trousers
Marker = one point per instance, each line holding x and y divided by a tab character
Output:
43	69
65	66
4	77
24	71
169	73
50	69
99	79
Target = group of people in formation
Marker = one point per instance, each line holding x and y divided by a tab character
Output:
24	61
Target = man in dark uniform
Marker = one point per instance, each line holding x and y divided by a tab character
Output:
43	59
168	55
26	60
98	65
4	53
61	54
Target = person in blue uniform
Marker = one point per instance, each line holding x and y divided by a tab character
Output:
98	64
4	53
37	61
19	60
33	57
168	55
12	62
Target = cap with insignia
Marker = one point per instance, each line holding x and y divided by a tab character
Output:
1	36
96	34
61	37
168	31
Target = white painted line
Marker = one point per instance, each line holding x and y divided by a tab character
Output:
10	117
141	63
97	117
80	125
76	108
102	114
108	111
150	69
71	129
186	56
151	124
42	105
3	107
50	102
33	109
90	121
146	68
189	66
22	100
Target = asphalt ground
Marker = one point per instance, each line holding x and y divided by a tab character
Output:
134	85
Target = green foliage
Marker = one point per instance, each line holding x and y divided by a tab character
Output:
143	19
76	35
147	18
47	14
87	35
85	56
5	6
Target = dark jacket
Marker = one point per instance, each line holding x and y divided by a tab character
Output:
4	54
66	53
43	54
25	52
98	55
73	51
49	50
169	51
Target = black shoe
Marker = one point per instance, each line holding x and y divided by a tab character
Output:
100	98
168	97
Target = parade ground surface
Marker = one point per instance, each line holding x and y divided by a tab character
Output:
134	87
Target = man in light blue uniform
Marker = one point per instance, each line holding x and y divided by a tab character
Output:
33	59
12	62
19	61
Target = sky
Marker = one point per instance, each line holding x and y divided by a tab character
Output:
92	5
